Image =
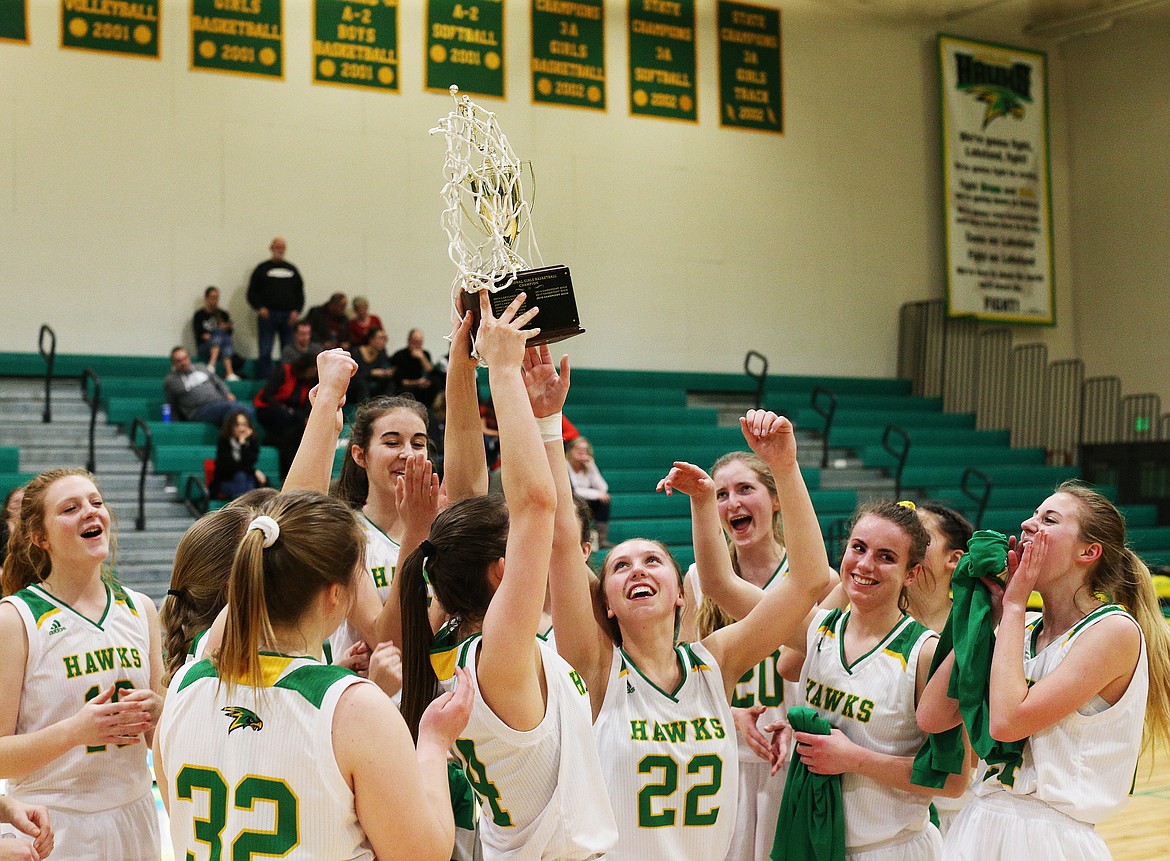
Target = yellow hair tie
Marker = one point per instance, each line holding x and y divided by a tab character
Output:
906	503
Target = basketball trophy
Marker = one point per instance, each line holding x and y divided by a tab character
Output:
484	188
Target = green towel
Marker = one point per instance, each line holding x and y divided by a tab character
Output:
970	632
463	800
811	824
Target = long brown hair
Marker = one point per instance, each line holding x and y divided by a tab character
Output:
199	581
1122	578
465	539
320	544
710	616
353	485
27	562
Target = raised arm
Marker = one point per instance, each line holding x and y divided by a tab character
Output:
1101	662
778	618
464	465
508	660
580	639
312	468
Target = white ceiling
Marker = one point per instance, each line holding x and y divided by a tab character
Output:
1042	15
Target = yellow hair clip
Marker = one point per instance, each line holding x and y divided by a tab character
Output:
906	503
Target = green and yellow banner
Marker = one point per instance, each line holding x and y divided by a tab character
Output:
750	92
243	37
568	53
111	26
14	21
355	43
465	46
662	59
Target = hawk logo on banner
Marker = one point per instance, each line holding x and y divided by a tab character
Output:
1004	89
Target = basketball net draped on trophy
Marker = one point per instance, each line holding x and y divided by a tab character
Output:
484	188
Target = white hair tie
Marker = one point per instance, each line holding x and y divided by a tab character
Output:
269	527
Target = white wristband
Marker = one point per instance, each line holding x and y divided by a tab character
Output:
550	428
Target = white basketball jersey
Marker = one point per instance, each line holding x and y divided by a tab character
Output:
71	660
762	684
872	701
1084	764
254	772
541	791
669	760
381	562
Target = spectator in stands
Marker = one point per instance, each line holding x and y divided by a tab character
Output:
330	325
282	406
374	375
363	321
277	292
413	369
301	345
213	334
195	394
236	454
589	485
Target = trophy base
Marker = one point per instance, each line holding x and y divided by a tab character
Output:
551	289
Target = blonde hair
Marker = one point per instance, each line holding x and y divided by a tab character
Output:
320	544
199	581
710	616
1122	578
27	562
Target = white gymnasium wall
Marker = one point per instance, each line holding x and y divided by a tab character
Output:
126	186
1119	105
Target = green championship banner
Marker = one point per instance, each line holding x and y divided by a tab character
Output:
111	26
996	182
355	43
750	91
568	53
465	46
14	21
244	37
662	59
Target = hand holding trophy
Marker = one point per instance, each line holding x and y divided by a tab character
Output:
484	188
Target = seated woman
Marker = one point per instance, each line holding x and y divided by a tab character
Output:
374	375
236	454
589	485
362	322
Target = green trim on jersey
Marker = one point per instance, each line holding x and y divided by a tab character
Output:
903	644
627	661
312	681
1093	615
55	600
884	644
379	528
201	670
121	596
40	607
199	638
781	570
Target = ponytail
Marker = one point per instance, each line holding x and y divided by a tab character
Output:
418	676
1136	593
302	543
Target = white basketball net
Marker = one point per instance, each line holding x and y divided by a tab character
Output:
484	188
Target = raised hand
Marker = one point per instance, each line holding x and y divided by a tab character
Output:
686	478
547	389
1023	580
770	436
461	337
501	341
417	494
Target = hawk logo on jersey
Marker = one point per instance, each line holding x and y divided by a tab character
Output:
241	718
56	627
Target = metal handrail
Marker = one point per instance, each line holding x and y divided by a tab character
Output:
761	378
900	456
50	358
199	502
144	456
94	402
827	414
980	499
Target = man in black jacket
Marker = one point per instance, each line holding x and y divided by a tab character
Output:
277	293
